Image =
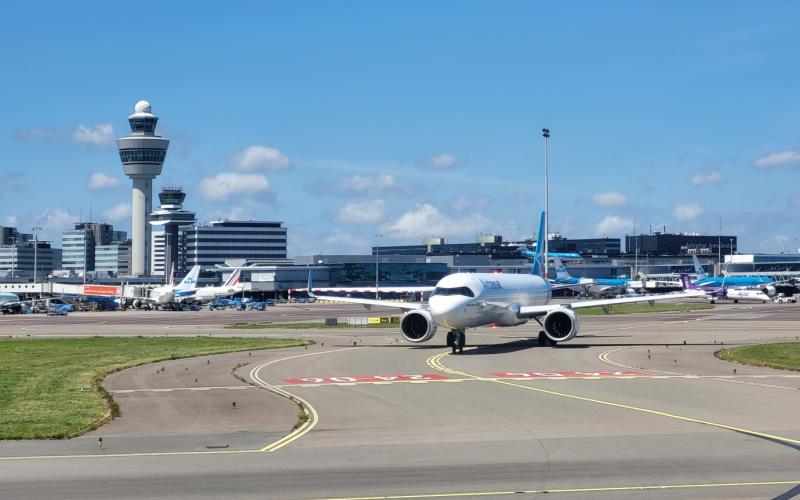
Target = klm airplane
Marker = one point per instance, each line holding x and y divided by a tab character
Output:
705	281
596	287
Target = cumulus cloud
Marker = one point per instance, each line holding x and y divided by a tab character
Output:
365	183
101	135
118	212
365	212
11	220
55	221
425	220
788	158
99	180
613	224
609	199
441	161
221	186
259	158
711	177
687	211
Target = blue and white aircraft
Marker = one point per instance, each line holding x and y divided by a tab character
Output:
596	287
468	300
704	280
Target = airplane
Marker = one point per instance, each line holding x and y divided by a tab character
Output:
468	300
704	280
730	293
736	287
165	294
232	286
10	303
596	287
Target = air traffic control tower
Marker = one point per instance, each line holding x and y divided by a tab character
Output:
142	154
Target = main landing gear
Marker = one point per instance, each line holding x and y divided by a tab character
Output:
544	340
456	340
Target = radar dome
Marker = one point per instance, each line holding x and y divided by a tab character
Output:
142	107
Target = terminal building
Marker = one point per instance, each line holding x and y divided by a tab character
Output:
21	253
666	244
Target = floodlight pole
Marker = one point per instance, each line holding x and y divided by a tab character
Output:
546	264
35	230
377	262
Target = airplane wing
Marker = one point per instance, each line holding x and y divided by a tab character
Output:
407	306
535	311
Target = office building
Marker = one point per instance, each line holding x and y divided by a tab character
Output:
79	245
216	242
113	259
166	221
18	260
668	244
142	154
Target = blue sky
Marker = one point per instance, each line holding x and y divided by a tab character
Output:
412	119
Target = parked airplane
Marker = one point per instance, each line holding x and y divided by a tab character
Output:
704	280
596	287
232	286
163	295
10	303
468	300
730	293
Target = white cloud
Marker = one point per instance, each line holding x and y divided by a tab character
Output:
11	220
790	157
426	220
609	199
118	212
101	135
612	225
361	184
365	212
221	186
55	221
687	211
99	180
441	161
259	158
712	177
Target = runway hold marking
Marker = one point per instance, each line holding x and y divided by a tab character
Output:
435	362
557	375
365	379
601	489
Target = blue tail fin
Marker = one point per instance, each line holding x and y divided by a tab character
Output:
698	269
538	264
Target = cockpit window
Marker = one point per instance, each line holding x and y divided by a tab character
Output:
461	290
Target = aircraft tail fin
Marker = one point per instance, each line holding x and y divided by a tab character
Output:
190	280
561	269
698	269
538	258
234	278
310	286
686	282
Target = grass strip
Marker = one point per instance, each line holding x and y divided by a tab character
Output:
783	356
305	326
643	308
50	388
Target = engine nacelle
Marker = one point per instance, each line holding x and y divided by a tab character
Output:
768	290
138	303
417	326
561	325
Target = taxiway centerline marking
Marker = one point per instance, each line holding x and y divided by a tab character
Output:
599	489
435	360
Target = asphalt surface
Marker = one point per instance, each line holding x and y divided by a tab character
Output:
627	410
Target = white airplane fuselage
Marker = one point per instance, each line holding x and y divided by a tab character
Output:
496	299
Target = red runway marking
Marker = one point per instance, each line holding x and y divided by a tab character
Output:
364	378
603	374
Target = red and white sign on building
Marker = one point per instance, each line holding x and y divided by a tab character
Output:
587	374
101	290
364	378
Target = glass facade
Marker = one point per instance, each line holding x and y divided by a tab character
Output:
390	274
147	125
143	155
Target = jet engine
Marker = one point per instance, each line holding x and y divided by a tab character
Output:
561	325
138	303
768	290
417	326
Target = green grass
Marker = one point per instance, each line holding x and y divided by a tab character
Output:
643	308
305	326
784	356
41	379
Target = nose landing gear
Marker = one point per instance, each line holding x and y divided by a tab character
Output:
456	339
